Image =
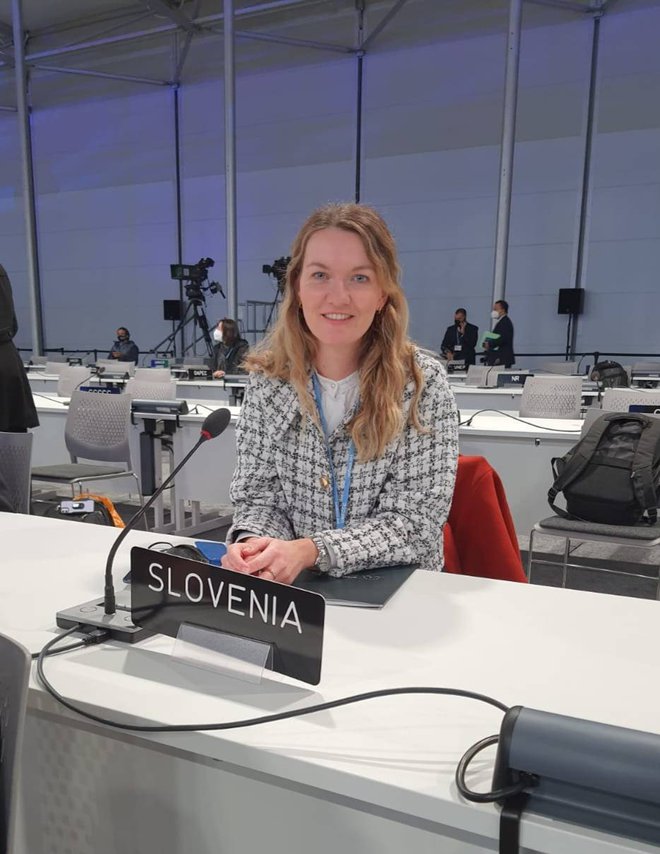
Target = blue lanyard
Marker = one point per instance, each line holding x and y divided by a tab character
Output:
340	508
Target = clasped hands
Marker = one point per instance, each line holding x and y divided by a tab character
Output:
271	559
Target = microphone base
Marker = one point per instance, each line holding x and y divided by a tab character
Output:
92	615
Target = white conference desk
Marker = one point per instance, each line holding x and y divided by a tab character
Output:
206	477
185	389
508	399
520	453
374	778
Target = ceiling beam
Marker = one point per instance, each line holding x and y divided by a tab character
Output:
266	37
567	5
183	53
6	31
378	29
82	72
159	31
176	16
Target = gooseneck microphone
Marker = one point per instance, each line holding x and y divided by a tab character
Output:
214	424
102	614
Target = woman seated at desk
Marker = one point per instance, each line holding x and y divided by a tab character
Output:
347	441
230	349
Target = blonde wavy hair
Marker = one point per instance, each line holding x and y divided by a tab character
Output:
387	358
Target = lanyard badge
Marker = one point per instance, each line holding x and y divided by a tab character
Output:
341	505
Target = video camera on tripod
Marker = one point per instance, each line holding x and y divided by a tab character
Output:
278	270
195	275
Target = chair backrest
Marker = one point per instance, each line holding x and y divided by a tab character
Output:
143	390
15	464
619	399
15	665
564	368
646	366
38	360
483	375
115	366
591	414
54	368
70	377
153	375
97	427
551	397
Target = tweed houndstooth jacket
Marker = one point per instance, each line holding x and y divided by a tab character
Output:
398	503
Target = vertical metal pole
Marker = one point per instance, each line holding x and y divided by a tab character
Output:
506	154
179	221
358	127
34	284
230	158
359	5
585	187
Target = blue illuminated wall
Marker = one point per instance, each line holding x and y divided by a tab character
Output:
431	147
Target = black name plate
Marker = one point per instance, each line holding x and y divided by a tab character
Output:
167	591
504	380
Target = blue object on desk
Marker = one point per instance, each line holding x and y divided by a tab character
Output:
211	550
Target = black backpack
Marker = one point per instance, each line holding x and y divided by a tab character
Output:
612	475
609	375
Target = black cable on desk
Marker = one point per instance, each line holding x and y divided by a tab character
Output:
278	716
46	397
468	421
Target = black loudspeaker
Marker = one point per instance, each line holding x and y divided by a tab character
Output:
571	301
171	309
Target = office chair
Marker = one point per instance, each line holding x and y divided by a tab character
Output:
565	368
551	397
71	376
620	399
145	390
96	428
153	375
15	665
15	461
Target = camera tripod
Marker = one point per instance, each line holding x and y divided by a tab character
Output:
195	315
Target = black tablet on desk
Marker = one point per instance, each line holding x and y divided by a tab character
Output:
370	588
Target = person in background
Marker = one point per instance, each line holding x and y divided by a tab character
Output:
230	349
17	410
500	351
460	339
124	350
347	440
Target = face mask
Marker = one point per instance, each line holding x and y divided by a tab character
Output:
122	337
217	335
494	314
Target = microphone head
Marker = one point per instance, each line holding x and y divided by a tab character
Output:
215	423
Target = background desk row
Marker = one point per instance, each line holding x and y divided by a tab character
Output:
185	389
520	453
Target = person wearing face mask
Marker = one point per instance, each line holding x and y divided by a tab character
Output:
460	339
500	350
124	350
230	349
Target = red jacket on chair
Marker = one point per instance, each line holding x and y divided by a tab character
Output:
479	537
